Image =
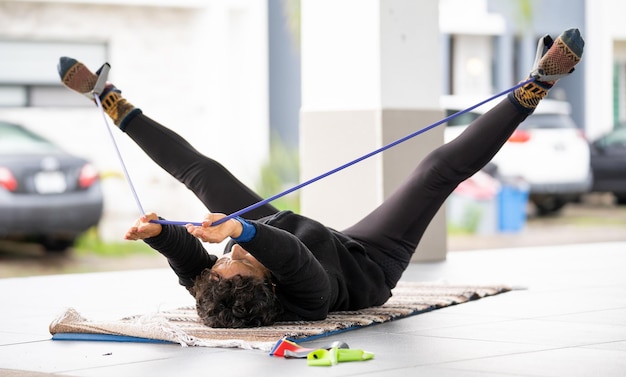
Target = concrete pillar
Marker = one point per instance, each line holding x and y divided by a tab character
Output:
370	76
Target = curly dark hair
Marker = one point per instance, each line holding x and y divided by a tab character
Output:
236	302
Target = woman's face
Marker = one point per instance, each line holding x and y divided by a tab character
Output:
239	262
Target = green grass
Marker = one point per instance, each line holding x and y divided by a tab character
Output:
90	243
455	230
279	173
596	221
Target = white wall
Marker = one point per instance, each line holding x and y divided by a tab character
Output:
333	82
603	26
201	70
605	40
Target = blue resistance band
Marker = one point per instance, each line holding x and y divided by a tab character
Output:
312	180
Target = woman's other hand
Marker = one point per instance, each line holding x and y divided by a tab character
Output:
215	233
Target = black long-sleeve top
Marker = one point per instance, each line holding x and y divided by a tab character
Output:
315	268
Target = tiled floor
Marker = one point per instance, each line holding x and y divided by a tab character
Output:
568	318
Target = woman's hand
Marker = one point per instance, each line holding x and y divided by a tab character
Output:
217	233
143	228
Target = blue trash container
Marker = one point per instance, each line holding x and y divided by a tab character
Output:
512	203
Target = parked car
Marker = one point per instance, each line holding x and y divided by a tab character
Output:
547	151
608	163
46	194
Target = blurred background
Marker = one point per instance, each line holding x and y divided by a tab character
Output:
227	75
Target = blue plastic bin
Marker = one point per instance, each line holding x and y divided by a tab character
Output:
512	202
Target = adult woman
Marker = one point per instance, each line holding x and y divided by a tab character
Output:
282	266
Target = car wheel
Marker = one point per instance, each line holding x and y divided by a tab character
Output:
549	205
621	197
57	245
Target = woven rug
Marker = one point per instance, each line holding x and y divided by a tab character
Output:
183	325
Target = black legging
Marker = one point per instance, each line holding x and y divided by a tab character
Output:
390	232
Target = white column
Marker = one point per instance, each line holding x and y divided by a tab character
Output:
370	76
603	34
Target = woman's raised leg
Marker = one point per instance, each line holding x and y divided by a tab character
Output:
393	230
212	183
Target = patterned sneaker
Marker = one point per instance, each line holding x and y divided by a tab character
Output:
554	61
560	59
77	77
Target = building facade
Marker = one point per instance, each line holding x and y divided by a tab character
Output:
199	67
225	73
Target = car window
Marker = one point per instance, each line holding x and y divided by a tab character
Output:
461	120
543	121
615	138
15	139
546	121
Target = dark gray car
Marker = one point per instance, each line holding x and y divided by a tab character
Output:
608	163
46	194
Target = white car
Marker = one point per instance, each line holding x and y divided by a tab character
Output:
548	151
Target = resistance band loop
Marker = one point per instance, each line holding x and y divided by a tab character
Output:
303	184
119	155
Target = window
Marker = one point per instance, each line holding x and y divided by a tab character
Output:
28	73
619	92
